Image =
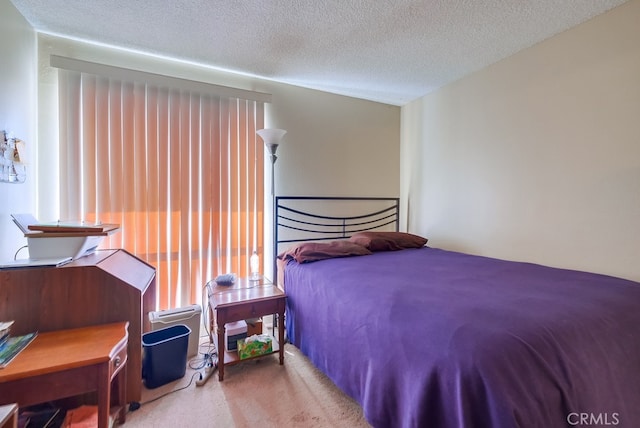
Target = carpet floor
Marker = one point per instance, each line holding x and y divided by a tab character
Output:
254	393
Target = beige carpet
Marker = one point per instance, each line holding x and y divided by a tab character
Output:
257	393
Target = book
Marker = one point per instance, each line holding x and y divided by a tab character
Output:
5	325
23	221
5	329
13	346
73	227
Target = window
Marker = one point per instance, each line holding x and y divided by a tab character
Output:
180	169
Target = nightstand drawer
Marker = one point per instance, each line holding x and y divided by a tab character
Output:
252	309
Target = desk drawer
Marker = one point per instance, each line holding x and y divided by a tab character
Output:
118	361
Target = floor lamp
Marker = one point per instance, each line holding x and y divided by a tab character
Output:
272	138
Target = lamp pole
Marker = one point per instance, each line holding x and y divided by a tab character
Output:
272	150
272	138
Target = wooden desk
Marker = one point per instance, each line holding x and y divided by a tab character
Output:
243	300
105	287
66	363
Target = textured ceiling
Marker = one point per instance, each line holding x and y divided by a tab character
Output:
391	51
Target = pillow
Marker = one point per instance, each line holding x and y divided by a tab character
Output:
314	251
388	241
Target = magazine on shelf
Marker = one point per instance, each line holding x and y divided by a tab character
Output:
5	329
13	345
5	325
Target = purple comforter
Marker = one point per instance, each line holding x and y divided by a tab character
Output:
433	338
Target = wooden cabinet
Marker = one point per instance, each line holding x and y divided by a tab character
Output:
105	287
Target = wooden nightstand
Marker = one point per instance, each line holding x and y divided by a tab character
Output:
243	300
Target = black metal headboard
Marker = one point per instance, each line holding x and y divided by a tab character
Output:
317	218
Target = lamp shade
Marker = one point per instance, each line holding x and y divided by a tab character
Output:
271	136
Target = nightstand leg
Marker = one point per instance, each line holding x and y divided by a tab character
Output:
281	336
221	351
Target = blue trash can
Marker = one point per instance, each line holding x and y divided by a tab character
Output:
164	355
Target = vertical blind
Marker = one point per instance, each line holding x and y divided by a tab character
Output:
180	170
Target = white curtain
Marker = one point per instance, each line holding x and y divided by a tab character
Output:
180	170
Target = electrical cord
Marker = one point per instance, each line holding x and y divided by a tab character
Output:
201	363
15	256
208	361
207	364
210	368
136	406
206	313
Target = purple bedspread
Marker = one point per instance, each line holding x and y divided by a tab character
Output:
433	338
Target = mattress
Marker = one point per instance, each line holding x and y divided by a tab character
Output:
435	338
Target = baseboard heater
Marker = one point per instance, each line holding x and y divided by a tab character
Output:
188	315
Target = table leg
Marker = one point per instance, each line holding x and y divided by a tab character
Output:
221	351
104	395
122	391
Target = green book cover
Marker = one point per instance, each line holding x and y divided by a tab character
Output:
12	347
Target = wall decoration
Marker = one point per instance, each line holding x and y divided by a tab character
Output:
12	159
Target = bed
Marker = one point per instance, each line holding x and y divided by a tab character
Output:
425	337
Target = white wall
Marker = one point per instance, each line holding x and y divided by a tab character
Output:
536	158
335	145
17	115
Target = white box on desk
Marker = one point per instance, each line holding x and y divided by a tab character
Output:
45	246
